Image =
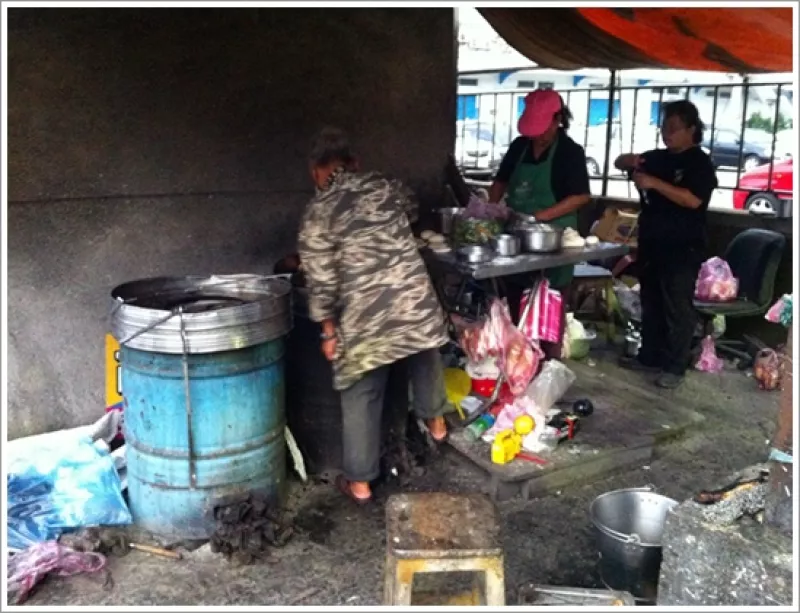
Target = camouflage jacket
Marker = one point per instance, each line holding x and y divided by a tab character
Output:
364	271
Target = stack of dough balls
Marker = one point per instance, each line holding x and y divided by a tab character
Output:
573	240
436	242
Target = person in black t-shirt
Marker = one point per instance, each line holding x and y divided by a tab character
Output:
675	186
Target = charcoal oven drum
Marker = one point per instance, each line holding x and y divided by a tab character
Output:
629	526
203	387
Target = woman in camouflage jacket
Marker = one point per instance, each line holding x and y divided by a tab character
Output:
371	293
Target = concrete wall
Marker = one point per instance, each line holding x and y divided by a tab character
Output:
172	141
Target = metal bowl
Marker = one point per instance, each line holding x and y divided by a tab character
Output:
446	218
476	254
540	238
506	245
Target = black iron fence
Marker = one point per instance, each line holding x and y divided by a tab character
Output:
749	127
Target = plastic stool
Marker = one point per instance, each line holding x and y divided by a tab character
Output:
436	532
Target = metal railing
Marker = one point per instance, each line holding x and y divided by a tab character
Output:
487	124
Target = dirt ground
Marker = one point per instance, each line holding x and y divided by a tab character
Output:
339	559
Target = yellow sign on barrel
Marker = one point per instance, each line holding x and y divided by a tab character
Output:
113	375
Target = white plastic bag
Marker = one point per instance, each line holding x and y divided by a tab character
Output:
574	330
549	386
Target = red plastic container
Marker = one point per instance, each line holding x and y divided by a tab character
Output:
483	387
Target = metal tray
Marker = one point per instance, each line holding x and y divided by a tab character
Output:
531	594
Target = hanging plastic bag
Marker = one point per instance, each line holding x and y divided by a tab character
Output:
629	301
543	321
59	485
767	369
519	359
574	331
29	567
709	361
716	282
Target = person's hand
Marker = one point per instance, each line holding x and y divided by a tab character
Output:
542	216
329	348
643	180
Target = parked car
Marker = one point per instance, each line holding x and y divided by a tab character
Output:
726	150
479	148
595	139
758	193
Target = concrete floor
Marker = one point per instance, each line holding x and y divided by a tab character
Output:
548	540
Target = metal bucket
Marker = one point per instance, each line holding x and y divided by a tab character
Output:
203	387
629	525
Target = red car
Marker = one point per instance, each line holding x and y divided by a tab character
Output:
755	192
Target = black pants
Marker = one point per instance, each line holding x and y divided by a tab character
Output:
362	410
668	276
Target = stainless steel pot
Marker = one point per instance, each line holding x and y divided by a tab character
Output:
476	254
629	525
539	238
506	245
446	218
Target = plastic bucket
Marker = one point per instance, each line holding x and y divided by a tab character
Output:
629	526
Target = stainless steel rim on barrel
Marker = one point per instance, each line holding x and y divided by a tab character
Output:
217	313
629	525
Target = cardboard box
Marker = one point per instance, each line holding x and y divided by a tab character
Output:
618	226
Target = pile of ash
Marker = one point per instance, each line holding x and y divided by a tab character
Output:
245	529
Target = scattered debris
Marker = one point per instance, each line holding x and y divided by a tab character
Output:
246	528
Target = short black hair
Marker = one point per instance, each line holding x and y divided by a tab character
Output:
566	115
688	114
331	145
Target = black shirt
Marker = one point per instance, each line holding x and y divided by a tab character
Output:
661	220
569	174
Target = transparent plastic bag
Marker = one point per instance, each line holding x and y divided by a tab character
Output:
709	361
767	369
781	311
716	282
29	567
549	386
60	485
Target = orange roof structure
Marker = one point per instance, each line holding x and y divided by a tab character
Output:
741	40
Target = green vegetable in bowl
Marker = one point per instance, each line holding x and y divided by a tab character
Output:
472	231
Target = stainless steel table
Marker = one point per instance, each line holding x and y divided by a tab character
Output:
529	262
490	273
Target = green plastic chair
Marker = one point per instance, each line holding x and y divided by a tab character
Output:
754	256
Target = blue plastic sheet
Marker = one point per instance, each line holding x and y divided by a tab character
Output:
54	488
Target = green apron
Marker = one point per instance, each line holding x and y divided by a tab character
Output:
529	191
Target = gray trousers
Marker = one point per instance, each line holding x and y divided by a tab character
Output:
362	410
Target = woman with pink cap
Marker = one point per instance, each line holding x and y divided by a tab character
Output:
544	174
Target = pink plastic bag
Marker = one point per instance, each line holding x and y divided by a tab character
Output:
497	336
29	567
543	322
716	282
709	361
518	358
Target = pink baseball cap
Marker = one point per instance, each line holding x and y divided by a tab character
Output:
540	108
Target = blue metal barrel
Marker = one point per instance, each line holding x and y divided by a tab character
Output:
237	433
